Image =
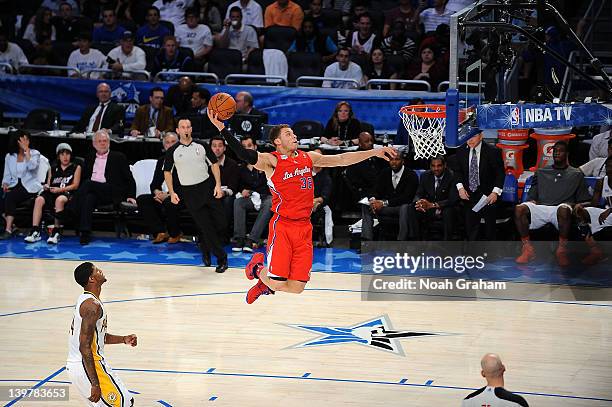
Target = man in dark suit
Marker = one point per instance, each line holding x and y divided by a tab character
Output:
395	189
179	96
106	179
153	119
105	115
362	176
244	105
151	206
479	171
435	199
321	213
230	178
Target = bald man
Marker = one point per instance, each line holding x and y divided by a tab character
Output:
493	394
106	114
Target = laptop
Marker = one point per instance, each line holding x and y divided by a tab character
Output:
247	124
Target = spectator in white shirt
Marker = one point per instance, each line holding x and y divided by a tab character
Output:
86	57
194	35
10	52
236	35
597	166
599	145
252	13
173	10
431	18
343	68
41	27
127	56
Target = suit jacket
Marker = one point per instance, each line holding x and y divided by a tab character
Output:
403	193
165	120
490	169
256	112
113	119
322	186
445	195
363	175
230	174
117	174
158	177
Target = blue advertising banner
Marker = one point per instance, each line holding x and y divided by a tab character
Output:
528	116
20	94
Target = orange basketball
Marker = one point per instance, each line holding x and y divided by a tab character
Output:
223	104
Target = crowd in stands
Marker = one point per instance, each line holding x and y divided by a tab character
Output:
358	39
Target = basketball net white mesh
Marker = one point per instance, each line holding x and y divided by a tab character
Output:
426	133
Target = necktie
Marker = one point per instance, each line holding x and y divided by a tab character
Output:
395	180
436	185
98	121
474	178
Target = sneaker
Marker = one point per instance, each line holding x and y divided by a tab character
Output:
54	238
256	291
251	269
221	266
527	254
33	237
238	246
561	255
595	256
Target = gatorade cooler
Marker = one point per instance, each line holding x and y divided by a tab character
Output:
512	142
546	139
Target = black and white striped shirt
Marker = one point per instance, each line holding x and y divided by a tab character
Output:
191	161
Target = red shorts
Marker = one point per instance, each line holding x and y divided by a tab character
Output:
289	248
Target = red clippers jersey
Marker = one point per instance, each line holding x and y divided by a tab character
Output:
291	186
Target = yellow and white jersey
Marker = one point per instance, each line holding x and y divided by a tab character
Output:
97	343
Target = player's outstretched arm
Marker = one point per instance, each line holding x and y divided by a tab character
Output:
90	312
345	159
110	339
261	161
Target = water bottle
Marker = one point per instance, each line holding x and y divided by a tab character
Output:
55	123
385	140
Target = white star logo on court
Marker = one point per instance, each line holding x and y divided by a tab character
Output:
66	256
124	255
180	255
375	333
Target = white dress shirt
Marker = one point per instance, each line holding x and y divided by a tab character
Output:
92	119
476	150
396	177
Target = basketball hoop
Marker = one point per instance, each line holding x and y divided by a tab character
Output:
425	125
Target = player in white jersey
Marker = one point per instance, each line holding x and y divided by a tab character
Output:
88	370
493	394
597	218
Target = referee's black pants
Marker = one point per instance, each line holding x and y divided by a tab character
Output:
208	214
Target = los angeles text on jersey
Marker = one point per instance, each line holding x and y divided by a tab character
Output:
446	284
297	173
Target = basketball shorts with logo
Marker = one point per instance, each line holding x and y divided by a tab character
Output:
595	225
289	248
114	392
544	214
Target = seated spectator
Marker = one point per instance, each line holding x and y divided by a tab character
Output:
251	12
362	177
133	10
106	179
553	193
171	58
40	28
209	14
435	199
379	69
152	34
253	195
104	115
343	127
321	212
65	24
284	13
310	40
173	10
315	14
179	96
127	56
599	146
427	69
154	118
244	105
235	35
229	176
199	101
343	68
363	40
432	17
110	32
399	43
46	55
56	6
194	35
10	52
597	166
85	57
20	178
596	217
493	394
155	206
394	192
406	13
63	180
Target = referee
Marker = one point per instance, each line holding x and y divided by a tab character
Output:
192	160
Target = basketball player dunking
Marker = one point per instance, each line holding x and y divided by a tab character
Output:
289	174
88	371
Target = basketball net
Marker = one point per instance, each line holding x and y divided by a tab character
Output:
425	125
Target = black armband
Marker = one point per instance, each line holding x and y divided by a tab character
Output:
249	156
